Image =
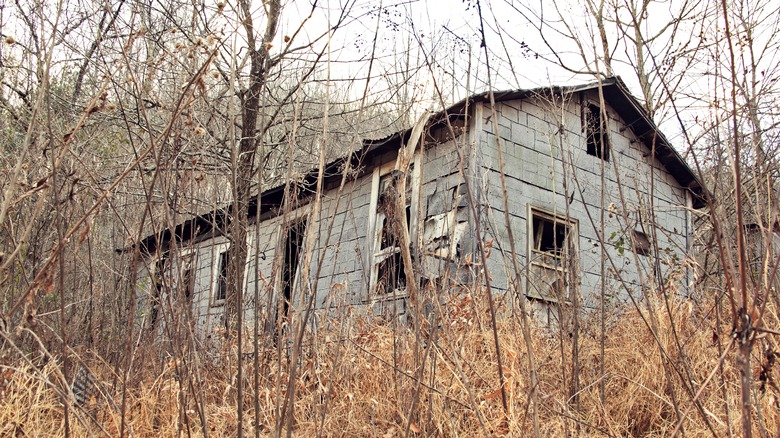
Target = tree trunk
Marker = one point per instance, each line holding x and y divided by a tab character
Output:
745	373
243	165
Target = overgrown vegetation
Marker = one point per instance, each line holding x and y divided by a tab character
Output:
119	121
359	379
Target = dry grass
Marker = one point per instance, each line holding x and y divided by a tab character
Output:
361	378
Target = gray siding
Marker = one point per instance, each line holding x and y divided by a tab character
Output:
341	249
545	163
546	167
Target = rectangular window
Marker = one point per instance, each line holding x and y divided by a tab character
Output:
293	247
187	276
158	286
552	248
388	271
188	280
220	291
596	132
550	238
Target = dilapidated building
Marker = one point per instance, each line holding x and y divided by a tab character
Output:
564	190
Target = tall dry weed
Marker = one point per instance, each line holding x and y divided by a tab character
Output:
360	380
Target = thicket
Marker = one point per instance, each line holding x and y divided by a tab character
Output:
120	120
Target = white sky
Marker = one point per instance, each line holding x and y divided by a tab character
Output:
447	33
448	30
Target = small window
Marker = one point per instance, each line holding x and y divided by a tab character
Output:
550	238
293	247
641	243
220	292
187	284
158	285
552	256
596	132
188	281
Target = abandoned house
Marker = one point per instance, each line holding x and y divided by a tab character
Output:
575	162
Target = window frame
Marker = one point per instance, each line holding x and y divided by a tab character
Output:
187	261
216	272
539	259
555	219
596	139
157	271
376	253
294	218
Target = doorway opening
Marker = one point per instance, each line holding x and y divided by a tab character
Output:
293	243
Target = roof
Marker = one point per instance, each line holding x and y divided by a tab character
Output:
633	114
615	93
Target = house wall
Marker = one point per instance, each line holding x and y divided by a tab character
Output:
546	166
343	240
143	295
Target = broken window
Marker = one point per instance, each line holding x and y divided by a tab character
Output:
596	132
220	291
173	277
641	243
550	237
185	280
389	272
552	251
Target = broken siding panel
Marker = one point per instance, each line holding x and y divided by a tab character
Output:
443	230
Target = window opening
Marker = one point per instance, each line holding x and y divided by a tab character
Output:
157	284
188	281
293	242
549	239
388	262
596	132
183	275
551	246
222	277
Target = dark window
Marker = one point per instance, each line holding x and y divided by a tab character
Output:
390	269
553	247
549	235
390	272
187	280
596	132
221	292
158	282
292	254
641	243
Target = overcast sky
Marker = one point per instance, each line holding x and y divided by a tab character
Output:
447	32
